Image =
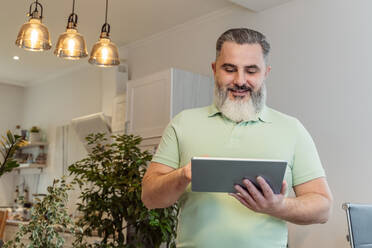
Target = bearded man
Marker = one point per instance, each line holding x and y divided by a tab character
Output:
238	125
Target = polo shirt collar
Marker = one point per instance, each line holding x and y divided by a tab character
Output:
262	116
213	111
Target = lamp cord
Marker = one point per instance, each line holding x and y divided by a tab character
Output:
73	17
36	10
106	27
106	11
73	7
37	1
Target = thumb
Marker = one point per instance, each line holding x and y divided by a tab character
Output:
284	188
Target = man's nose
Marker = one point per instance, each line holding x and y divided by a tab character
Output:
239	78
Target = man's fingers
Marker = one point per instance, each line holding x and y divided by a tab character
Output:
266	189
284	188
253	191
246	195
187	171
241	199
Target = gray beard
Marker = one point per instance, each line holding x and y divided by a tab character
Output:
239	109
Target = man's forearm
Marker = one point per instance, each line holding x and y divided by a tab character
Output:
163	190
307	209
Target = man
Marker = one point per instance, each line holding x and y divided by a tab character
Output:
239	125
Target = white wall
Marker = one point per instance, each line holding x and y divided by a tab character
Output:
114	82
56	102
109	84
51	104
11	112
321	59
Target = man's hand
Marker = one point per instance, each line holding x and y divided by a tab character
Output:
162	185
266	202
186	170
311	205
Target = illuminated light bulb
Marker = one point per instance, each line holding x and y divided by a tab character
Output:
34	37
105	54
71	45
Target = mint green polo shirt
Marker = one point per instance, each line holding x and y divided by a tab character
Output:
217	220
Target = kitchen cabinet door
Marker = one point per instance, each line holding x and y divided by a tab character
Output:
154	100
149	105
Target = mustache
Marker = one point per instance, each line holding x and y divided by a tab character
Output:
240	88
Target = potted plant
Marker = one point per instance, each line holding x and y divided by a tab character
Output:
35	134
110	182
49	219
8	148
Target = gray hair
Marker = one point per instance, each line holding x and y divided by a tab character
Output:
244	36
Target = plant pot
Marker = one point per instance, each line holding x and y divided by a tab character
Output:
35	137
132	237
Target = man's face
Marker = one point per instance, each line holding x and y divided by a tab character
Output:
240	71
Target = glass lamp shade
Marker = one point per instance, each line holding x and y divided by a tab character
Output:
104	53
34	36
71	45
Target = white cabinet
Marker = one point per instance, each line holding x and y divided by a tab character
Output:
154	100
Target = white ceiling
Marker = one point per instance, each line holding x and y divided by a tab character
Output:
130	21
258	5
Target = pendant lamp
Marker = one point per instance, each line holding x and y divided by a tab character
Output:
33	35
71	44
104	52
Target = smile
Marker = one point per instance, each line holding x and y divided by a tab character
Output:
240	93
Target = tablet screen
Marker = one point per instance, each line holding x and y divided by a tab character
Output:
221	174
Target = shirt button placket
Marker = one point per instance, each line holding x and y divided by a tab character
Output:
235	134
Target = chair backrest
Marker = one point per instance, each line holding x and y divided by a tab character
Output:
3	218
359	219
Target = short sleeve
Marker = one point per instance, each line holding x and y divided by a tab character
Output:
168	152
306	163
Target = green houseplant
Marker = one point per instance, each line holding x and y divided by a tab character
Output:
49	219
35	129
35	134
8	148
110	179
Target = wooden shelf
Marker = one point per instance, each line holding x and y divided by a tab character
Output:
35	149
30	166
34	144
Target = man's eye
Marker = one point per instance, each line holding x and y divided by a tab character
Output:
228	69
252	71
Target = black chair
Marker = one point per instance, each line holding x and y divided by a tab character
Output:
359	220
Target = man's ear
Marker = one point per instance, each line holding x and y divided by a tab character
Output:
268	69
214	67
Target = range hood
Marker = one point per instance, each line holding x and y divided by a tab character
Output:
94	123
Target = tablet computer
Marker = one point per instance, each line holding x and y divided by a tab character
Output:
221	174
